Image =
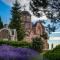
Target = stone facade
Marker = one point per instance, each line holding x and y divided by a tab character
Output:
26	18
32	30
8	34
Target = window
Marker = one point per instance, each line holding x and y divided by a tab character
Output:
12	32
28	17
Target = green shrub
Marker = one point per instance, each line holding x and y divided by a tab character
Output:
37	44
16	43
53	54
57	48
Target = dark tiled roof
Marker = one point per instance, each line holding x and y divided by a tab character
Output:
26	13
34	25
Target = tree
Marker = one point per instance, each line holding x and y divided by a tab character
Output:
37	44
51	9
44	36
1	23
36	5
16	22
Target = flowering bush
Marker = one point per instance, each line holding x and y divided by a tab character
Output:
12	53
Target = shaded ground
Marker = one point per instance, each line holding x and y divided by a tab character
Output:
39	57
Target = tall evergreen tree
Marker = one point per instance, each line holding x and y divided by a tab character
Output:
16	22
1	23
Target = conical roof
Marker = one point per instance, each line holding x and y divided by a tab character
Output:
26	13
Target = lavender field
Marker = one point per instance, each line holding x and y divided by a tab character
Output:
12	53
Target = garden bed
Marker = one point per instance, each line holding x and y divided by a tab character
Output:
12	53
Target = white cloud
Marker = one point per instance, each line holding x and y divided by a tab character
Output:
22	2
54	38
25	2
34	18
8	2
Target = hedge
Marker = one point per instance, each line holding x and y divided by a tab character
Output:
16	43
53	54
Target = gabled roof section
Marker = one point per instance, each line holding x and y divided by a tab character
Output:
34	25
26	13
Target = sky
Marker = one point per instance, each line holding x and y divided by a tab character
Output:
5	10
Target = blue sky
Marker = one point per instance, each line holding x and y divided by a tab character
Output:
5	12
5	8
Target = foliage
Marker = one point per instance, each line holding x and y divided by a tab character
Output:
57	48
16	43
37	44
16	22
35	6
11	53
48	7
44	36
51	8
53	54
1	23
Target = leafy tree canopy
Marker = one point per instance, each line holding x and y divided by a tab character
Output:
51	8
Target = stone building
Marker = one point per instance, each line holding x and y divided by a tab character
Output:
32	30
8	34
39	30
26	18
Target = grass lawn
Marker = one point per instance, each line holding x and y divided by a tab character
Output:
39	57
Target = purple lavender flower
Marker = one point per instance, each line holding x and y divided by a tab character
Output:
11	53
